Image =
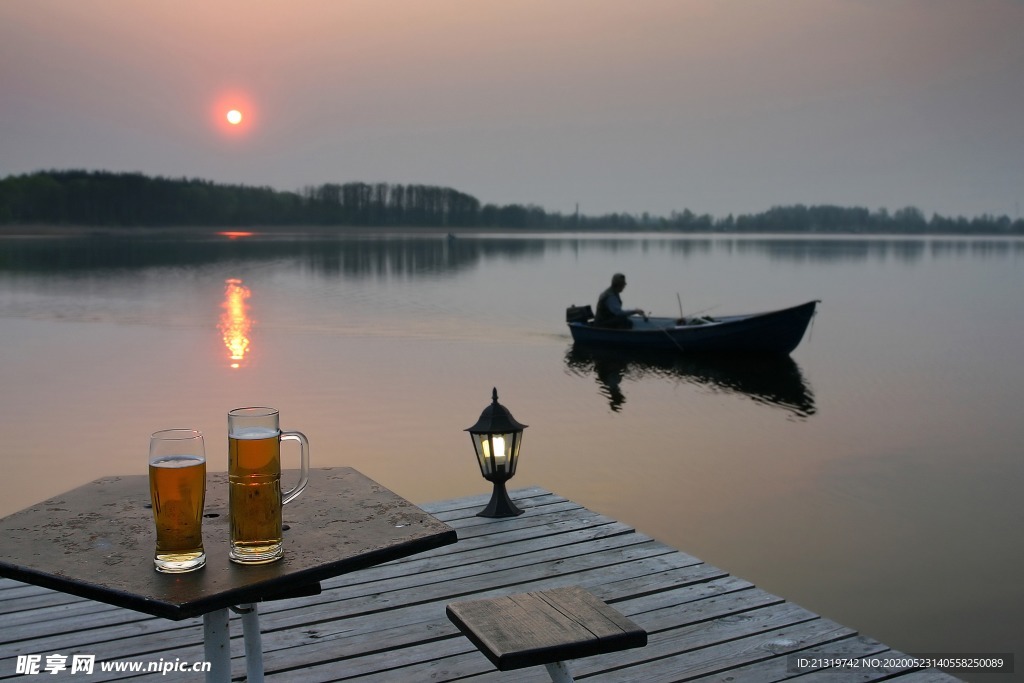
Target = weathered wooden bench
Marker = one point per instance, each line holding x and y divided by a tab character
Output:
545	627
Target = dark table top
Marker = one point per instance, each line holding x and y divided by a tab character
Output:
97	542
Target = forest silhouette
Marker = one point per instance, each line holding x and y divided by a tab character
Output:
108	199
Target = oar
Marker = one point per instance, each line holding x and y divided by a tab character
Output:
705	310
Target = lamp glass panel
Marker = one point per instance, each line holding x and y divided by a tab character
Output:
517	440
478	445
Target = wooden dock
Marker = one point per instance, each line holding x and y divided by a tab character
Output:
388	623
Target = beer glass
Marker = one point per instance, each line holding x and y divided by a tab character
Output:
255	498
177	488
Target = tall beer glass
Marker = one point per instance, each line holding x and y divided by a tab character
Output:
255	498
177	488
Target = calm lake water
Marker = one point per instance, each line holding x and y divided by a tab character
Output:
874	478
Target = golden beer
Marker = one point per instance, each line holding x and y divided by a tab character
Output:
177	487
254	495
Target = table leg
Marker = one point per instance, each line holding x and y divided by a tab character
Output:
253	642
217	646
559	672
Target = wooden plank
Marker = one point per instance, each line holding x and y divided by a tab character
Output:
926	676
155	635
473	504
388	622
75	617
472	581
569	541
11	589
781	668
717	655
46	597
435	608
451	583
471	662
537	504
689	651
352	640
362	635
125	633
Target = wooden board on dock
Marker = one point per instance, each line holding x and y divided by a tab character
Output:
388	623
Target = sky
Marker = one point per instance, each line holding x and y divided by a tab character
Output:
716	106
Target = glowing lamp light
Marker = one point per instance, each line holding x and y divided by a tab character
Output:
499	459
497	437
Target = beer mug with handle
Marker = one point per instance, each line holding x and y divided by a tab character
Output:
255	498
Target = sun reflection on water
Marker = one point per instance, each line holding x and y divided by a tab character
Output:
235	322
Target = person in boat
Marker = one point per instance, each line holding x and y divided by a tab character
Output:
609	311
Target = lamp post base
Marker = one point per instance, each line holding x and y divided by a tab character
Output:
500	504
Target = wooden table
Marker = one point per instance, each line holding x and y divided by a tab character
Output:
97	542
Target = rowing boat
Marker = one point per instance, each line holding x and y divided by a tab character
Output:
769	332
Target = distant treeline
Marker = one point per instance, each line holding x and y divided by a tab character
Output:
102	199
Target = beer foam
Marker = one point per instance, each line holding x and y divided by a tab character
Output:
180	460
254	433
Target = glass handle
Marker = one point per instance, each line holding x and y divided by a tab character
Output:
292	494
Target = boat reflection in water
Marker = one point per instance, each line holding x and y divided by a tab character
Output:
770	380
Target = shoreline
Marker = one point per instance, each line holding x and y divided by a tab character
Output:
29	231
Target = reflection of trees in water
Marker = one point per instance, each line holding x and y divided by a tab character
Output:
417	255
800	249
414	256
350	257
774	381
853	249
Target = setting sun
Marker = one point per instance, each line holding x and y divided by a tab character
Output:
233	113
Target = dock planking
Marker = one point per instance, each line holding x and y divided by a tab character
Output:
388	623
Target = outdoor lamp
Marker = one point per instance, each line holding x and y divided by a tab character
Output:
496	440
